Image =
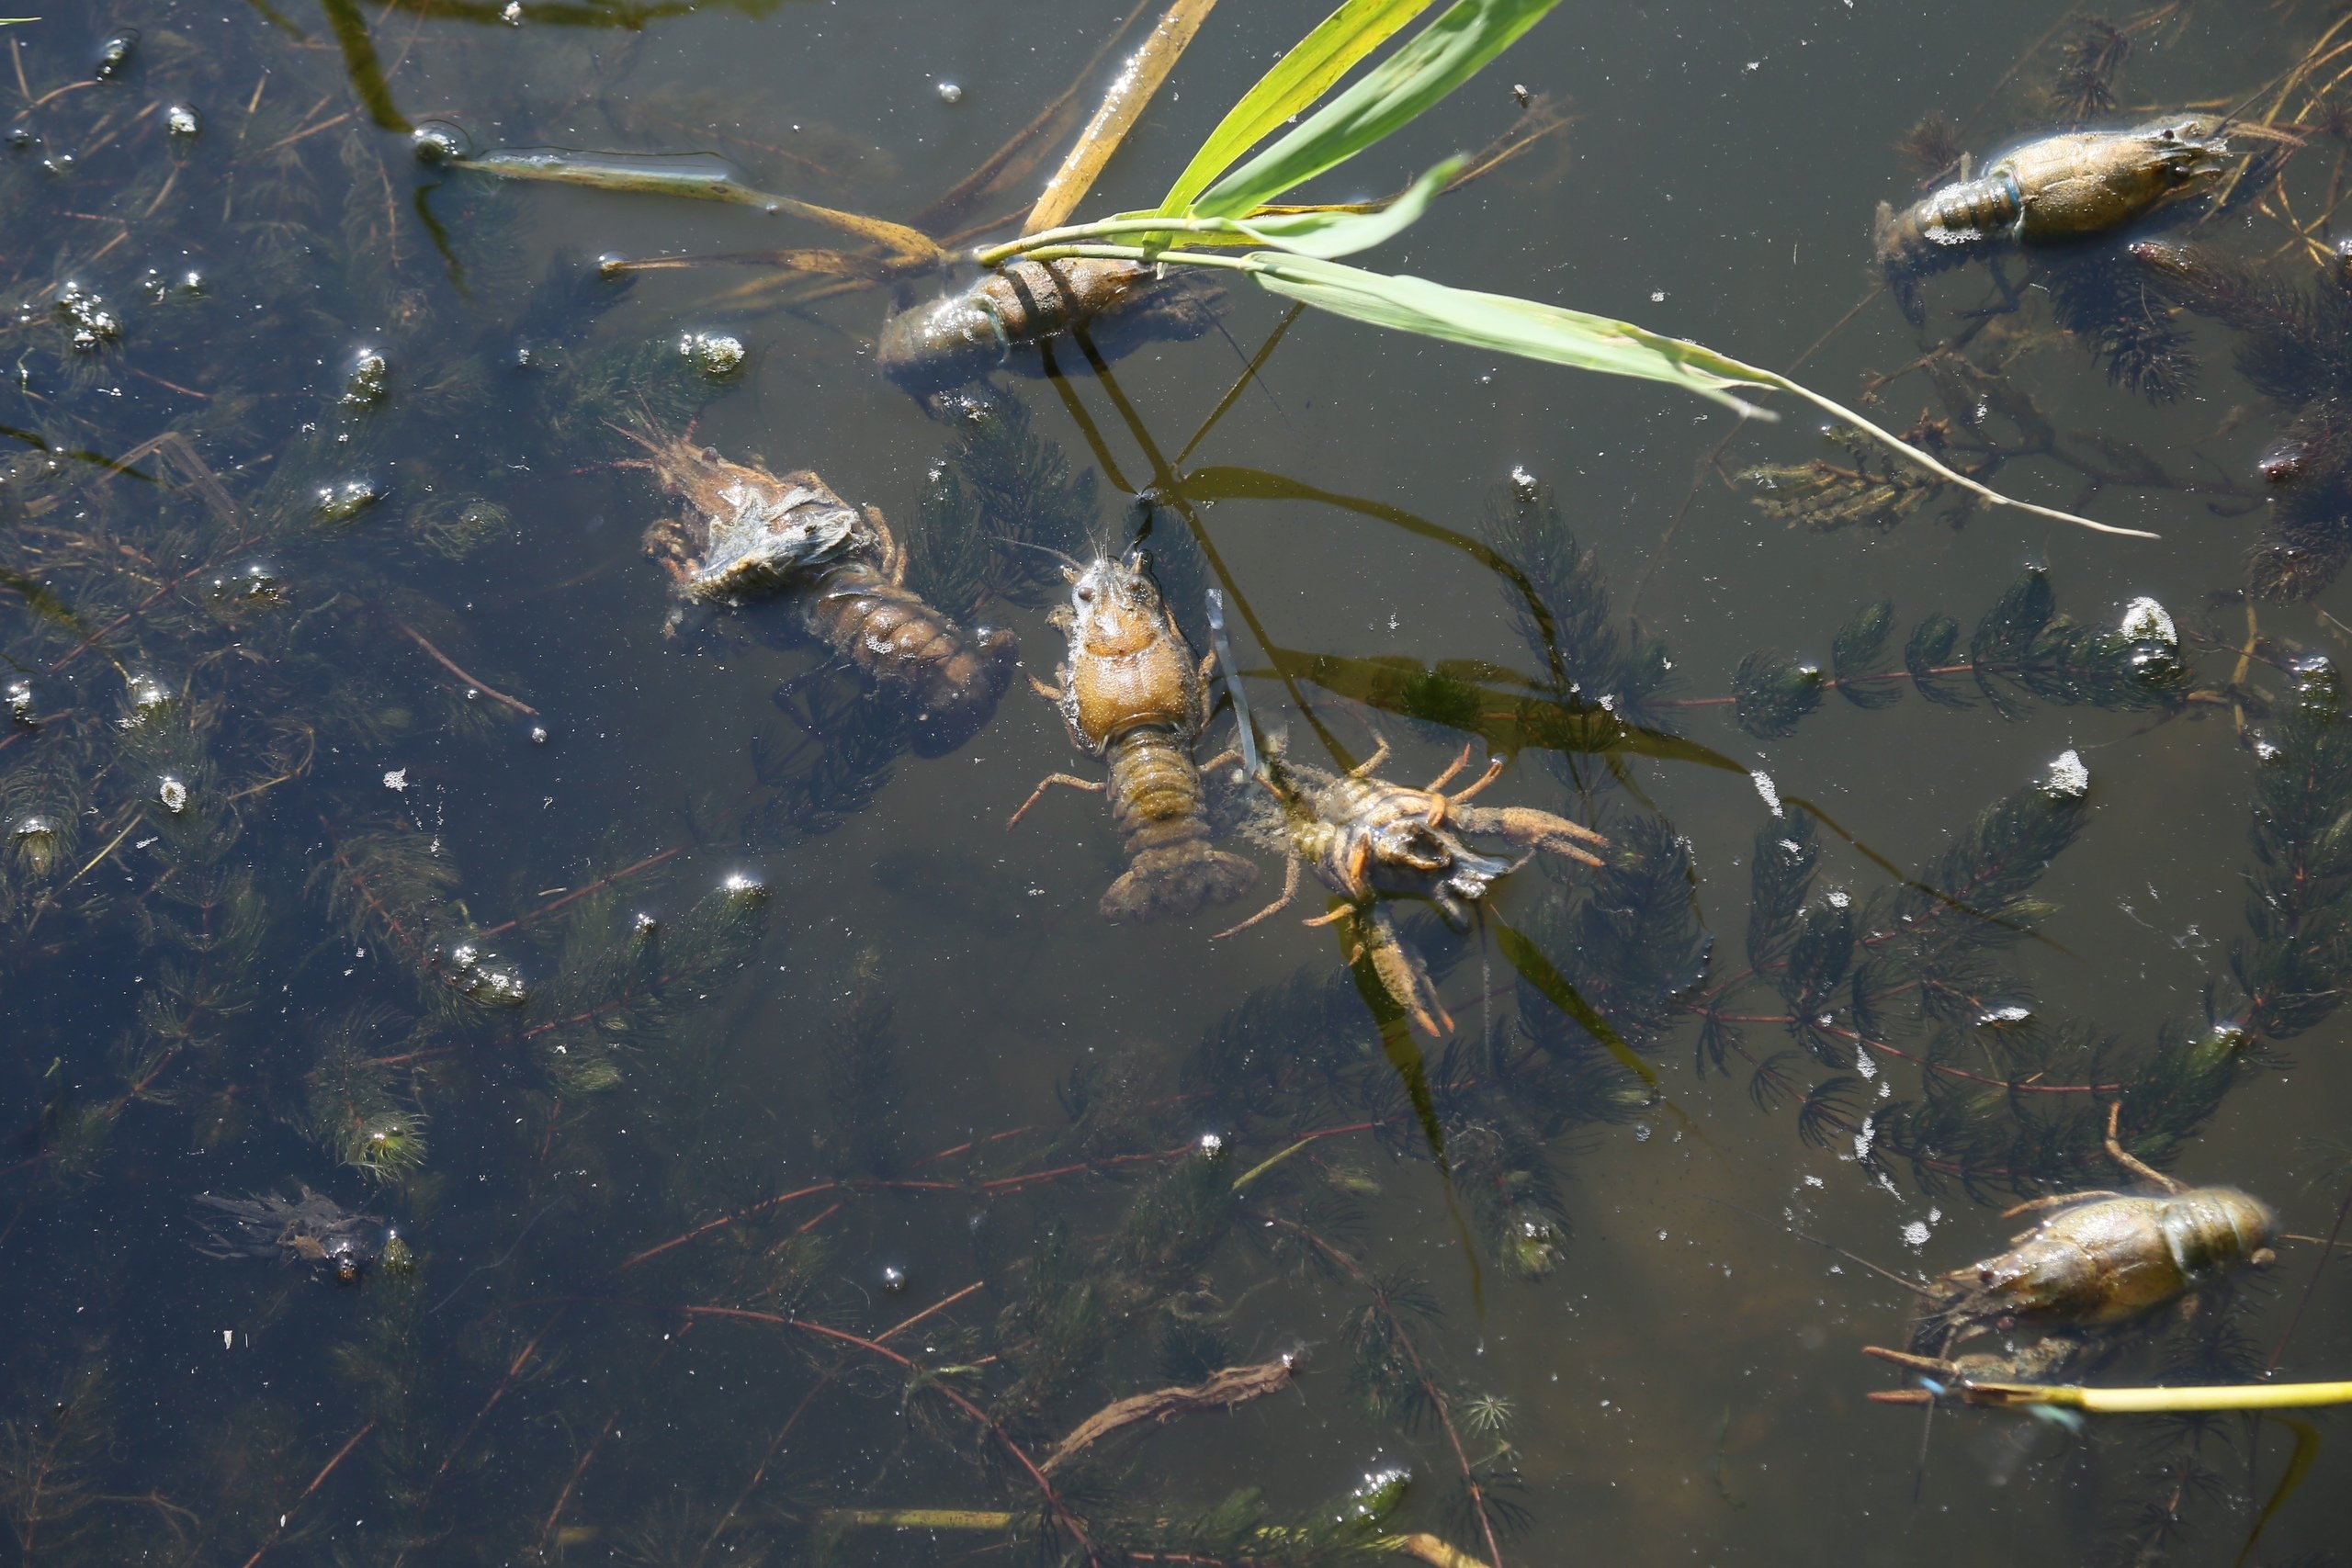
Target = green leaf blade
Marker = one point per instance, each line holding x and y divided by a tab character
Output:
1440	57
1554	333
1326	235
1296	81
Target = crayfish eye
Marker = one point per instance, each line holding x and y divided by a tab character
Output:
1086	596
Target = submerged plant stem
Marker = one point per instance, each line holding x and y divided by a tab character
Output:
1129	93
2159	1401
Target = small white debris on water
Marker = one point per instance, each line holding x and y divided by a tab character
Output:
1641	1132
227	1338
1814	1182
1863	1139
1770	792
2004	1018
1792	846
173	794
513	14
1839	898
2068	777
1658	295
2144	619
1915	1234
2265	751
1661	1235
949	93
1524	483
396	780
1865	1063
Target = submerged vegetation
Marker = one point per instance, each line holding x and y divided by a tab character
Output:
733	1148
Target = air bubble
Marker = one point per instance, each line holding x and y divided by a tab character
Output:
94	324
370	378
949	93
346	498
116	55
38	840
439	141
149	699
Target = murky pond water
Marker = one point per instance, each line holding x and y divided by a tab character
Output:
747	1149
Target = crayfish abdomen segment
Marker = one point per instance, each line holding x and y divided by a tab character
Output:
906	646
1156	805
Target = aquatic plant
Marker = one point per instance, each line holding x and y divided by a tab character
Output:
2022	651
2295	348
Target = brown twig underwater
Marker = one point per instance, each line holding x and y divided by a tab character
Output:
1348	1264
1222	1391
316	1481
988	1423
443	660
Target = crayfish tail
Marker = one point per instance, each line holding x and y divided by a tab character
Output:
1156	802
1170	884
911	650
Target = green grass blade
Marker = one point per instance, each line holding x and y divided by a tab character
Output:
1561	336
1440	57
1297	79
1496	322
1328	234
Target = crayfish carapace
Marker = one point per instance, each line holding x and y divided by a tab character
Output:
2095	1261
1132	696
1370	841
2077	186
1027	304
748	534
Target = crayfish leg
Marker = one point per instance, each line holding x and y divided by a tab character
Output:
1447	777
2131	1162
1494	771
1290	891
1049	781
1405	978
1530	828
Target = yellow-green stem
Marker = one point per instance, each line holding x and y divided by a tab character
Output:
2160	1401
919	1518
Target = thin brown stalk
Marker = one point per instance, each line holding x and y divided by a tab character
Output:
1222	1391
938	1307
1349	1265
987	1422
1123	102
446	662
316	1481
648	863
571	1483
2279	1351
504	1383
1013	160
175	385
